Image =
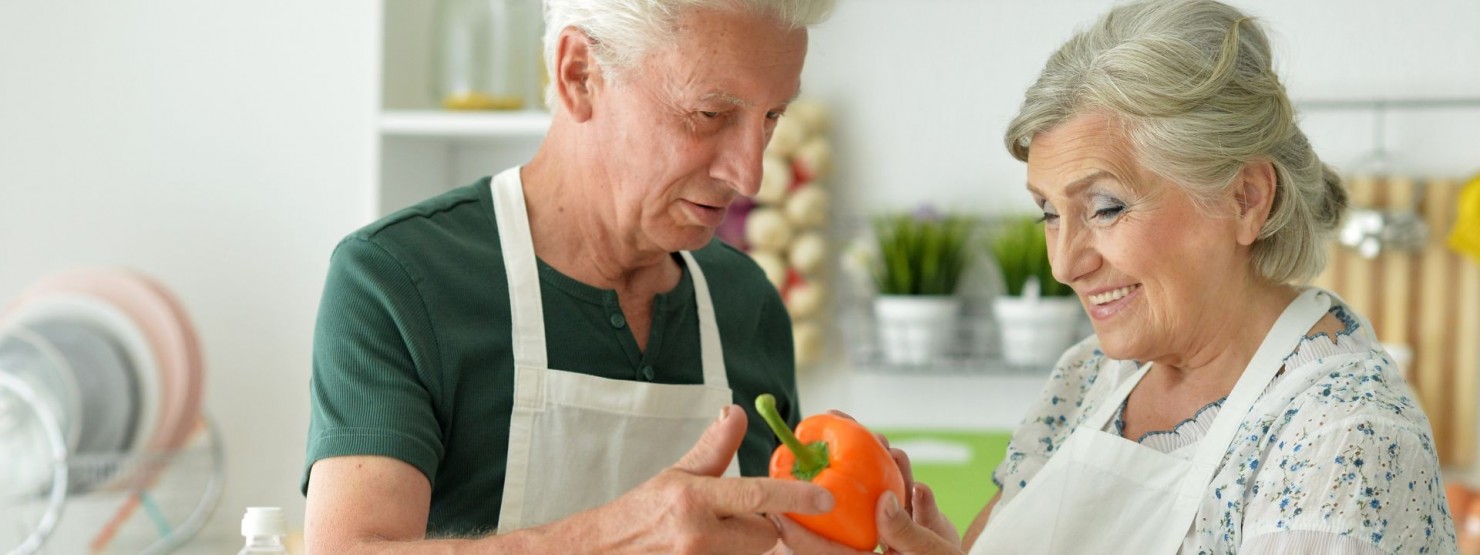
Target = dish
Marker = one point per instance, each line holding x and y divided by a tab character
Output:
79	308
152	314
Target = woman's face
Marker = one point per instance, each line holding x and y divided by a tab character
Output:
1150	266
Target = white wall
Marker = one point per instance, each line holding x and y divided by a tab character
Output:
222	147
225	146
922	90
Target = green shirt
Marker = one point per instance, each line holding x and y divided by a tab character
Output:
412	356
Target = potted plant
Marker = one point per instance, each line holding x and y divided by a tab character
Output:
921	257
1038	316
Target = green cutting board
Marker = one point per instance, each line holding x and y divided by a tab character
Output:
957	465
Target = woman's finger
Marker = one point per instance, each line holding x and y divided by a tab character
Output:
899	533
927	512
902	460
803	542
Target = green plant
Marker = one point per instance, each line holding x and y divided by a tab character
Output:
921	254
1022	251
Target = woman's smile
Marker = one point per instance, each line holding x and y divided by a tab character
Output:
1107	303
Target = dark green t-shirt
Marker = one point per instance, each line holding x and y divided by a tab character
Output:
412	357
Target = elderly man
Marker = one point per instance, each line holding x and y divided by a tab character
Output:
544	353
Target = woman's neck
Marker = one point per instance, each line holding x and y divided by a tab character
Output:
1218	352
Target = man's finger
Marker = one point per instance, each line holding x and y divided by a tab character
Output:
711	455
741	496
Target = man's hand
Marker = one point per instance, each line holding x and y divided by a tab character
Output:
688	508
379	505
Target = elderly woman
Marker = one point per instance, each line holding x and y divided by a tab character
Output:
1219	407
536	353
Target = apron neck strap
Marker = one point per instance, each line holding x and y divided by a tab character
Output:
526	307
525	303
710	349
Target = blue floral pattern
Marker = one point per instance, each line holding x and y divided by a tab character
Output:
1335	449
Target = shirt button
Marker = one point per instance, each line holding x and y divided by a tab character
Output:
618	321
647	372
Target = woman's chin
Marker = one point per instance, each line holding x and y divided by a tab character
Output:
1116	345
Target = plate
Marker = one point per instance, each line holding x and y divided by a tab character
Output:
118	325
168	331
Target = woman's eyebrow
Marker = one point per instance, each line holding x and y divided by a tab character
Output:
1078	184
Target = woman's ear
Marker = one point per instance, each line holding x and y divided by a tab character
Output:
1254	192
575	73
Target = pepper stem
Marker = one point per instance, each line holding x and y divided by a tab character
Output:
811	458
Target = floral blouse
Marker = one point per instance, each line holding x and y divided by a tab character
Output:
1335	457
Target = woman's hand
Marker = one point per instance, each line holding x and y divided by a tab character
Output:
927	532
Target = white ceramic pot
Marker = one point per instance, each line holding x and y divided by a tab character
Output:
1036	331
916	329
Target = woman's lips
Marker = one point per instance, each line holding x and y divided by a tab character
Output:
1106	304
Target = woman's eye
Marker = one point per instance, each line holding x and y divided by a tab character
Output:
1049	218
1109	212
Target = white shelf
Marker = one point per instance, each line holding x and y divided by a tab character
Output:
447	124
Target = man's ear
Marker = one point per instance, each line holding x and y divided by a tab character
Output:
575	74
1254	191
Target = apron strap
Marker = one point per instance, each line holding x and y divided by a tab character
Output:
525	306
711	350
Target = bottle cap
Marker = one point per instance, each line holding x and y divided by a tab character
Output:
264	521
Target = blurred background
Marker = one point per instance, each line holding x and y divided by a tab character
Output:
223	148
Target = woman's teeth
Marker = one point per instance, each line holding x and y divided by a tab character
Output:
1115	295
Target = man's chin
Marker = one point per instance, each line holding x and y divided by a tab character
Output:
691	238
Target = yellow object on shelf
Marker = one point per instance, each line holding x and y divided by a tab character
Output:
474	100
1466	235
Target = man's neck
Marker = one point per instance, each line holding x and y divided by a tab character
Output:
580	239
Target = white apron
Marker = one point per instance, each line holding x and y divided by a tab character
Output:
577	441
1102	493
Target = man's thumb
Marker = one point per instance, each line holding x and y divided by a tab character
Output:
714	450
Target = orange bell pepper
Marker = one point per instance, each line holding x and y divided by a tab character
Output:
845	458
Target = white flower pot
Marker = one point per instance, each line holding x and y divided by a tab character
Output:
1036	331
916	329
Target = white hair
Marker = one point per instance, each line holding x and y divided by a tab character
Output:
623	31
1192	84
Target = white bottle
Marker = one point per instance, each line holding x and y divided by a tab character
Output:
264	528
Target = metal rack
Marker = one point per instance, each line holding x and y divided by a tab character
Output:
147	502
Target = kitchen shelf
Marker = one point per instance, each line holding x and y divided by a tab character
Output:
529	124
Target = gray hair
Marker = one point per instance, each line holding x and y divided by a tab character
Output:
1192	84
625	30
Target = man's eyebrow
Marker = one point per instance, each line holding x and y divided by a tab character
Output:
737	101
726	98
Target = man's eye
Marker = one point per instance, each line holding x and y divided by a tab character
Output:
710	115
775	114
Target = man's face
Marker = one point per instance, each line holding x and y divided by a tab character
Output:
682	132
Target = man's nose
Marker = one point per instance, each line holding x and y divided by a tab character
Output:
739	161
